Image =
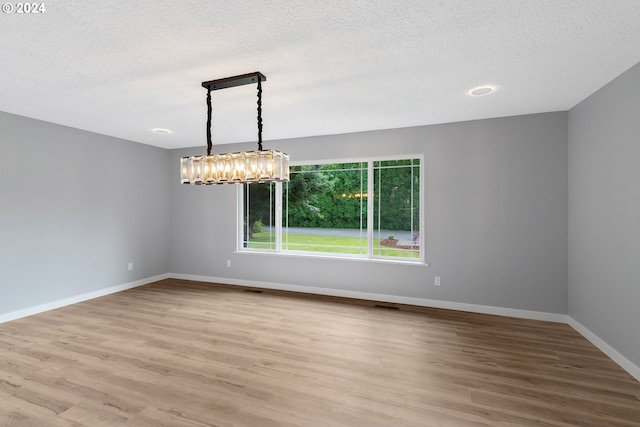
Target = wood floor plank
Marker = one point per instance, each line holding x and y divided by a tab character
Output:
191	354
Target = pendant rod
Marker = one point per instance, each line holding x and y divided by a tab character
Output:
259	115
209	142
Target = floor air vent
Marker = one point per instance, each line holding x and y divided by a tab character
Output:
253	291
388	307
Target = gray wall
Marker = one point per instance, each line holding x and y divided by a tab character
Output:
496	216
604	214
75	208
496	209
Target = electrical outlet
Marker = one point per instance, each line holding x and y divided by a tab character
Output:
436	281
130	266
228	263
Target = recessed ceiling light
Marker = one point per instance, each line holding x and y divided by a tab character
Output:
160	130
481	90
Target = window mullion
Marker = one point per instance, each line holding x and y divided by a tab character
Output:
240	202
278	221
370	201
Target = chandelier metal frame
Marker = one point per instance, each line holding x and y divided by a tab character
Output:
239	167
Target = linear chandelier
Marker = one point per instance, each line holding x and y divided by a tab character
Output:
240	167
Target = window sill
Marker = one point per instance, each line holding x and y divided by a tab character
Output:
417	263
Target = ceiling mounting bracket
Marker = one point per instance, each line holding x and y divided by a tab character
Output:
243	79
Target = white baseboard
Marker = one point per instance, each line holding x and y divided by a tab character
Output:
624	363
13	315
422	302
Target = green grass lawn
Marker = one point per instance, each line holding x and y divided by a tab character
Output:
328	244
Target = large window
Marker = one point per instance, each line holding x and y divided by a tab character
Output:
362	209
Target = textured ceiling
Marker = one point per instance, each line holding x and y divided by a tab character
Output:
121	68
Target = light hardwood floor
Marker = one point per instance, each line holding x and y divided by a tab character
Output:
184	354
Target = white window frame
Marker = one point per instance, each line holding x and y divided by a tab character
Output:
279	251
